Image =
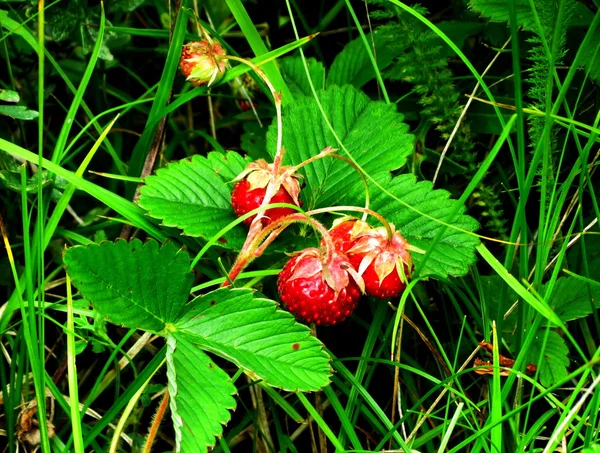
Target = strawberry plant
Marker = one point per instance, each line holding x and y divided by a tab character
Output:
278	226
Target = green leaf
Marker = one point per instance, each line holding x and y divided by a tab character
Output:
373	133
9	96
455	251
294	75
491	289
264	341
498	11
135	284
591	57
125	5
572	299
353	65
200	396
18	112
194	195
554	362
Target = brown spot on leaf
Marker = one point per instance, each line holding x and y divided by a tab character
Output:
213	303
211	365
296	346
222	240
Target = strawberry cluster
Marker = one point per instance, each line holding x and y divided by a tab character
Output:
323	285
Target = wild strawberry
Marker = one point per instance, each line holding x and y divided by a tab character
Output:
345	231
249	192
320	289
203	62
385	266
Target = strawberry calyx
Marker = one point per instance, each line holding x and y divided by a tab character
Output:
260	173
385	265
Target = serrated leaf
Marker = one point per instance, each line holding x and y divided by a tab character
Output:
572	299
373	133
294	74
455	251
18	112
554	361
498	11
259	338
195	195
353	65
200	396
132	283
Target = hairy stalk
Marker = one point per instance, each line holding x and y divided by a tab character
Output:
153	431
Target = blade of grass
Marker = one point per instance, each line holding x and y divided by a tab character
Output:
72	374
258	47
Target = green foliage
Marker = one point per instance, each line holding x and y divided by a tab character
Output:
200	395
421	60
294	74
353	65
18	112
132	283
194	195
252	333
372	132
418	218
553	362
498	11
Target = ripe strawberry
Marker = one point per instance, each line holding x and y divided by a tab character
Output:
385	266
249	192
319	291
345	231
203	62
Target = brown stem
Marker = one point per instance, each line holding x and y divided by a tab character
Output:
160	412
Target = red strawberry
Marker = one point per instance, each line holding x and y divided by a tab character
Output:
320	291
249	192
385	266
344	232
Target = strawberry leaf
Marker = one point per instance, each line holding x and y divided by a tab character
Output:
132	283
353	65
252	333
572	299
373	133
455	250
194	195
552	368
200	396
294	75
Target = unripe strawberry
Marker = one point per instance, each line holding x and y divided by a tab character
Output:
320	289
203	62
250	188
384	265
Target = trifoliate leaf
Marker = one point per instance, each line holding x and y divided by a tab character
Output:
195	195
372	132
199	396
294	75
353	65
417	216
264	341
552	367
139	285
